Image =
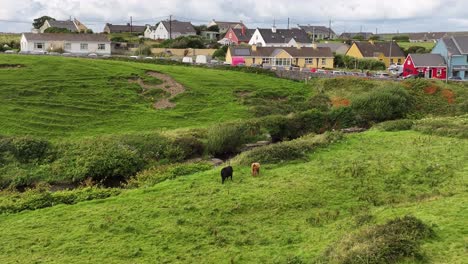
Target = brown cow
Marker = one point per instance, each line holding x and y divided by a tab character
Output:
255	169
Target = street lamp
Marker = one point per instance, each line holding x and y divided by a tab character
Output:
448	67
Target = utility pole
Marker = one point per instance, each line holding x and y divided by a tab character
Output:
170	27
288	23
390	59
131	24
313	35
329	28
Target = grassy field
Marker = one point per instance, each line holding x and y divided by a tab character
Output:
48	97
293	212
427	45
79	122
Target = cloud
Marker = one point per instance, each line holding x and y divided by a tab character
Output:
426	15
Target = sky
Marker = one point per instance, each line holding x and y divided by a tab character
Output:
383	16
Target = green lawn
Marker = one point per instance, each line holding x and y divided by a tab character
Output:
276	218
427	45
62	97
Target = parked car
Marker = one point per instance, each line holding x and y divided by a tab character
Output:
455	78
134	57
322	71
341	73
382	75
10	51
149	58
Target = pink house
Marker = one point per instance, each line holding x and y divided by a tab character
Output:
431	66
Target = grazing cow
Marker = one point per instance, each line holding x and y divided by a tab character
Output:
226	173
255	169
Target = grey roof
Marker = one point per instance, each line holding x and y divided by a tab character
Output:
179	27
425	36
317	29
284	35
68	24
457	45
350	35
426	60
243	37
304	52
66	37
125	28
370	50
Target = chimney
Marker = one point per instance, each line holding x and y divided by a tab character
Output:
243	30
314	45
273	29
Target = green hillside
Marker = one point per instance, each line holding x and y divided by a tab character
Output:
105	161
57	97
293	212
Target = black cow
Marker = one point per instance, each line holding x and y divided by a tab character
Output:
226	173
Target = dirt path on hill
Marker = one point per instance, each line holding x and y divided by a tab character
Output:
169	85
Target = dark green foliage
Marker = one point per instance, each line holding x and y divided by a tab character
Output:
396	125
214	28
344	61
343	117
228	138
39	22
383	104
416	49
221	52
101	160
401	38
388	243
28	149
38	199
189	147
118	39
320	102
57	30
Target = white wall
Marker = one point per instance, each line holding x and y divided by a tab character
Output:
257	39
28	46
161	32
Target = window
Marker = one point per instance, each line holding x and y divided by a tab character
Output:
309	60
283	62
439	71
84	46
391	61
399	61
253	60
67	46
266	61
101	46
324	61
39	45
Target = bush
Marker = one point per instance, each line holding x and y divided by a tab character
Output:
396	125
221	52
444	126
189	146
289	150
320	102
388	243
100	159
228	138
383	104
28	149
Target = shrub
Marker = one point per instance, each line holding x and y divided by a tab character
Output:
388	243
100	159
228	138
320	102
28	149
288	150
189	146
396	125
150	146
383	104
444	126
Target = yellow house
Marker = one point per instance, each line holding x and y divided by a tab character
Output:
302	57
387	52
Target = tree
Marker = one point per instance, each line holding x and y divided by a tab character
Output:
375	37
38	22
57	30
214	28
200	28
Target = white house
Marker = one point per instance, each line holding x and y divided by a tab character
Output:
73	25
265	37
170	30
80	44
